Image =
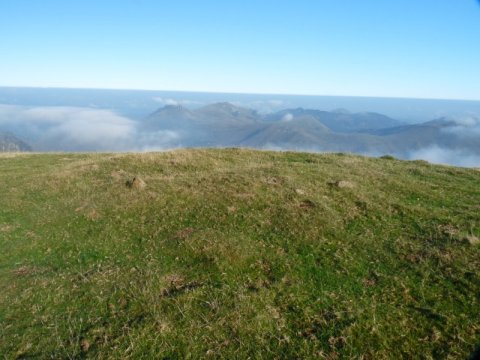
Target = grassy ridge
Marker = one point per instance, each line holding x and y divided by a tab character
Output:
236	254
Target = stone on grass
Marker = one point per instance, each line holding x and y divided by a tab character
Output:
136	183
342	184
473	240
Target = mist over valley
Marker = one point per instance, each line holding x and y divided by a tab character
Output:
102	120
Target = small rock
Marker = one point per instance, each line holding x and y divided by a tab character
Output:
84	345
473	240
369	282
342	184
300	191
307	204
136	183
272	180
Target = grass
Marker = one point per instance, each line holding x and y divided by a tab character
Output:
237	254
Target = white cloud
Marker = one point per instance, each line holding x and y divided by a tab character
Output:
276	103
287	117
438	155
468	121
466	128
79	129
175	102
157	140
266	106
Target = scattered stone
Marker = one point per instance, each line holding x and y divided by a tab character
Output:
369	282
272	180
307	204
84	345
300	191
473	240
136	183
342	184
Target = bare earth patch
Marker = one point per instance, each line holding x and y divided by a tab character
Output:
307	204
342	184
177	284
24	270
6	228
184	233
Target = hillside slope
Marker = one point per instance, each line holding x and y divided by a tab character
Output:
237	254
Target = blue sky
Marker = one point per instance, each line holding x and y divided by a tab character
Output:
409	48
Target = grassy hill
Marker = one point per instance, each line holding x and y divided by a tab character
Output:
237	254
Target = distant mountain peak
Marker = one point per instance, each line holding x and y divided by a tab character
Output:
172	109
225	106
227	112
341	111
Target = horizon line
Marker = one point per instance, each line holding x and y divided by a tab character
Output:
236	93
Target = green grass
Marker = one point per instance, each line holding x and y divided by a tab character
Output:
237	254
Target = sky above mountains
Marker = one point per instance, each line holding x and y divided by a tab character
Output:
411	48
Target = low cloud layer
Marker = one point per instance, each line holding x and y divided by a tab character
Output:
438	155
467	127
267	106
287	117
79	129
175	102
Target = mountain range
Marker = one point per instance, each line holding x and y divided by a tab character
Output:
228	125
224	124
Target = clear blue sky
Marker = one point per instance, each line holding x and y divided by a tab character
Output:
407	48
